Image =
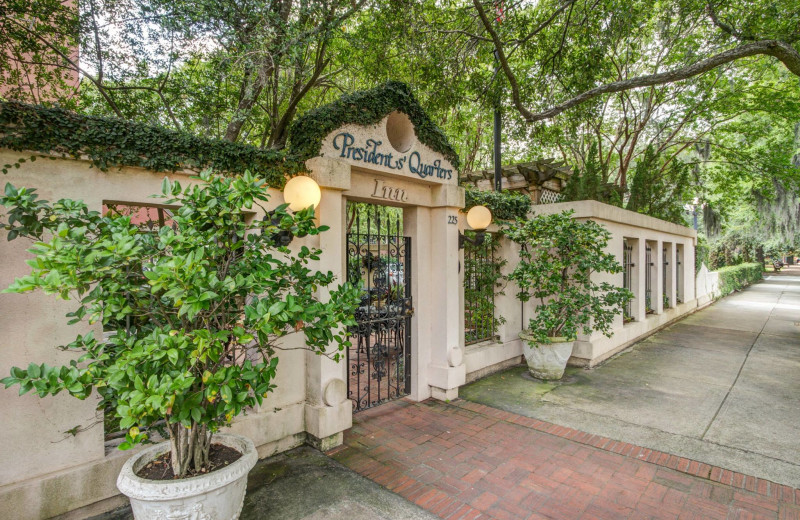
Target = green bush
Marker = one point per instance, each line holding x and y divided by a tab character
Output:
504	205
558	259
198	310
736	277
113	143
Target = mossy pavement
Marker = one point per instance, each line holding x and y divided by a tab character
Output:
720	386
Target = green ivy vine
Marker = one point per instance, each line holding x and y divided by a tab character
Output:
365	108
483	282
504	205
108	142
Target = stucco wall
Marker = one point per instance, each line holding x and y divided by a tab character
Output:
707	285
43	470
639	230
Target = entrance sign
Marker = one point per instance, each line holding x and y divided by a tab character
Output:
396	351
372	155
382	191
390	146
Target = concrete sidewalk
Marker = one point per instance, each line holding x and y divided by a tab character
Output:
721	386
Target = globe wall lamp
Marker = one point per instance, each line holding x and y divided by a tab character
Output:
300	193
478	218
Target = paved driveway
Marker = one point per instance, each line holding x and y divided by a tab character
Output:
721	386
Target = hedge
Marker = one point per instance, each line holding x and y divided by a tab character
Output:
504	205
735	277
110	142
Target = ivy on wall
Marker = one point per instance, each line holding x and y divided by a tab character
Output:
482	283
504	205
108	142
701	254
365	108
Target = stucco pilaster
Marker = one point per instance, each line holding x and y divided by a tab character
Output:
327	409
446	371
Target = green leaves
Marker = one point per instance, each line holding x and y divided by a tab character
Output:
111	143
196	312
558	260
736	277
504	205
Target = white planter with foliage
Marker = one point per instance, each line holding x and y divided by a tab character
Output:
546	360
218	495
559	257
196	309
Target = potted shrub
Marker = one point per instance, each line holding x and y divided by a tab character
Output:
558	260
195	309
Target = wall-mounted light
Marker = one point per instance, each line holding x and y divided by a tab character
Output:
301	192
279	238
478	218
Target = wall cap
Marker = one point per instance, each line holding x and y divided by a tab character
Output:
592	209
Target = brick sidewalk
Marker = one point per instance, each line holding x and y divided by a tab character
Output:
467	461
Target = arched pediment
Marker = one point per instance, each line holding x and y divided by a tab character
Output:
383	129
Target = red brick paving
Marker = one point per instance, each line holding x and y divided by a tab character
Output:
464	460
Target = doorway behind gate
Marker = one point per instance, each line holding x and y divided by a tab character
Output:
379	262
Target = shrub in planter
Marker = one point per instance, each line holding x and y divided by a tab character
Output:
558	258
198	308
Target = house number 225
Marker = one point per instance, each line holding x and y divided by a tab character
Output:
452	219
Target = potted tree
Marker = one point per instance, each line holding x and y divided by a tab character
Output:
559	259
195	310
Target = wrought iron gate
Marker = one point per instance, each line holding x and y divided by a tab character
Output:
678	290
379	262
627	276
664	266
480	278
648	280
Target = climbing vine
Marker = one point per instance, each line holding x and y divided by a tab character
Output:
483	281
504	205
108	142
365	108
701	254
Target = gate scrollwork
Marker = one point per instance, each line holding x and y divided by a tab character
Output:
379	262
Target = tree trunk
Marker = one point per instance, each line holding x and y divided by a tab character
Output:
189	448
250	92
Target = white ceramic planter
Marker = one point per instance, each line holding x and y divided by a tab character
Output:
546	361
218	495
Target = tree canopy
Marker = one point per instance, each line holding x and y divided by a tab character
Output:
661	104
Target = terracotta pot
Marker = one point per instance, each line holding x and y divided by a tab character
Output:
546	360
218	495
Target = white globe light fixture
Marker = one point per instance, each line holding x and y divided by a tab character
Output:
302	192
479	218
